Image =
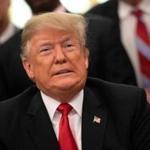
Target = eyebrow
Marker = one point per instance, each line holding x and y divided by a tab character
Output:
64	38
45	44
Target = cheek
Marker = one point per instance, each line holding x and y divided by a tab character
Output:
40	67
81	64
43	62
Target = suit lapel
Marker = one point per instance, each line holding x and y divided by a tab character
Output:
93	122
39	126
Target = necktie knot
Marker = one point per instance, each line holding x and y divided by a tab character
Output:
64	108
137	12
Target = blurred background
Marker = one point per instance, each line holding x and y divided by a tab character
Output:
19	19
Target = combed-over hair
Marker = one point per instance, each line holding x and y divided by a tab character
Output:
71	23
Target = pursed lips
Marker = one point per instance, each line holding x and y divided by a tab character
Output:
62	72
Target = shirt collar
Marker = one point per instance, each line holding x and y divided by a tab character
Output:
52	104
124	9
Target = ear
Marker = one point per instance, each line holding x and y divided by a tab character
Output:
28	68
86	58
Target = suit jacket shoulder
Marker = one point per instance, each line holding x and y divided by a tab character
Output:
25	123
114	92
15	108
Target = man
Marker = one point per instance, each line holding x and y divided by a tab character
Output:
101	115
121	12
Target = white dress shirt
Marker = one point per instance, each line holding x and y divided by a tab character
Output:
9	32
128	30
75	116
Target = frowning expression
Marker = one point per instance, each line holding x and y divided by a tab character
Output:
56	61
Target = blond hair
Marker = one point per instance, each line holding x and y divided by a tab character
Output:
71	23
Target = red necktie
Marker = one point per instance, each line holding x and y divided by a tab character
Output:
66	139
143	47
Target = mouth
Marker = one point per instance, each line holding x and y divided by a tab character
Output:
63	72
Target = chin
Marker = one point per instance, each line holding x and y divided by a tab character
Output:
68	84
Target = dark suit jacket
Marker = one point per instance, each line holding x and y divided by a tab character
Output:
109	10
108	58
13	78
105	57
124	124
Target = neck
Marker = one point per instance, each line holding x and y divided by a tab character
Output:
65	97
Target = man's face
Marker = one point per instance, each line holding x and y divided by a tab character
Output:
56	61
132	2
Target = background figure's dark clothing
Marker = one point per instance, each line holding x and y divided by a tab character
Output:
108	9
124	120
13	78
106	60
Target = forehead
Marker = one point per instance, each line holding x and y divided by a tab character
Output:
48	34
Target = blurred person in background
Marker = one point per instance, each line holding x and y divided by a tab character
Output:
105	57
41	6
107	52
13	78
129	16
7	29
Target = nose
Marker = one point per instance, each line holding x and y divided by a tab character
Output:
59	55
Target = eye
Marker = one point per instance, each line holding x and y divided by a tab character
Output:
69	45
46	49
